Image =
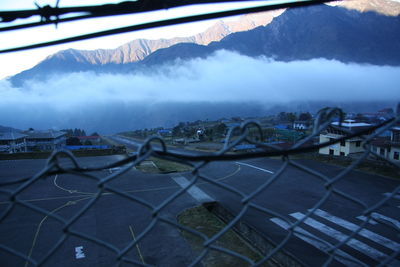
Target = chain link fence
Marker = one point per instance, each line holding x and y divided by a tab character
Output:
14	196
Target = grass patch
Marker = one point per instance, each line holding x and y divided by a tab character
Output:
170	166
201	220
368	166
148	166
156	165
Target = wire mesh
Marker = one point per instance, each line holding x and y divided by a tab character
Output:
70	215
111	181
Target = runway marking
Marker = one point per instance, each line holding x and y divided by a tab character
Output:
69	203
69	190
364	218
79	253
353	243
194	191
255	167
364	232
137	245
111	170
395	196
45	199
129	191
227	176
318	244
379	217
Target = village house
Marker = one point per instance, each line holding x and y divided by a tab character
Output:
346	147
12	142
301	125
44	140
388	147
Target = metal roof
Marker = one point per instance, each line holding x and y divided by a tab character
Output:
351	124
50	134
11	135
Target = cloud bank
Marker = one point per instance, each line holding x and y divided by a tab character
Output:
226	77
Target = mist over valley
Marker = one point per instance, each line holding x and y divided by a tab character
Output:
284	61
225	84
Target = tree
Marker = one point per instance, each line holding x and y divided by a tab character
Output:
220	129
73	141
282	116
291	117
305	116
177	130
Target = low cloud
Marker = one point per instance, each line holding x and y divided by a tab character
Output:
225	77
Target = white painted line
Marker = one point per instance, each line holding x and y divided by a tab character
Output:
396	196
111	170
319	244
79	253
364	218
378	217
255	167
194	191
364	232
354	243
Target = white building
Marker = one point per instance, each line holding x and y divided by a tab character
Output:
44	140
389	148
348	146
301	125
12	142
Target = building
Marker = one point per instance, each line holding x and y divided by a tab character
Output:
12	142
165	132
44	140
388	147
348	146
301	125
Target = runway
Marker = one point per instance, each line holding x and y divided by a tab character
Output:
111	218
96	225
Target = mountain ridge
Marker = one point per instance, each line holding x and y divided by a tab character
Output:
141	52
290	37
138	49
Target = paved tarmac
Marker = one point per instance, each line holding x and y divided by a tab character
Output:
117	220
113	219
293	193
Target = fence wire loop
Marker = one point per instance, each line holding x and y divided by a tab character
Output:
112	182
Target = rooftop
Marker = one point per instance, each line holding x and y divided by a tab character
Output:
351	124
11	135
51	134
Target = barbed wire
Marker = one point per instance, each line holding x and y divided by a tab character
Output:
156	147
47	13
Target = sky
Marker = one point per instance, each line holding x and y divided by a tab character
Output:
13	63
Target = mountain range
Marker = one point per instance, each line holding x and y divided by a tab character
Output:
349	31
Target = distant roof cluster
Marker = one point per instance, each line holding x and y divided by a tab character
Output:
351	124
44	134
32	134
11	135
